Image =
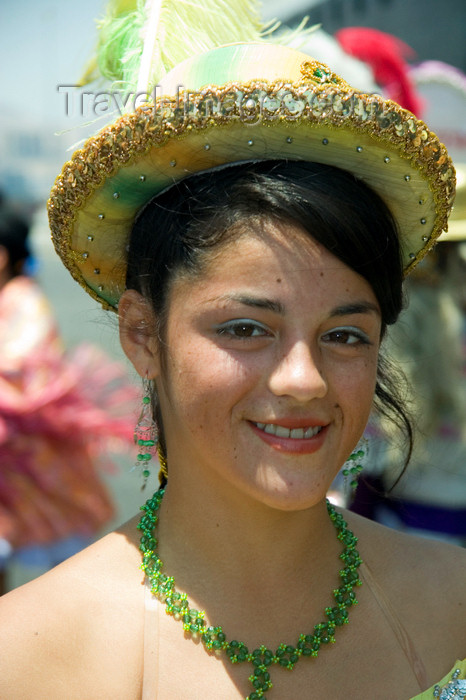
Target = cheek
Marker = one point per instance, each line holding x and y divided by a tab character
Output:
204	382
355	389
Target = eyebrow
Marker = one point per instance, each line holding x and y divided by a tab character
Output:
360	307
256	302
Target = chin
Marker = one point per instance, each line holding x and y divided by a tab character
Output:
290	494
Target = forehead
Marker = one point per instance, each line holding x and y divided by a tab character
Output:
278	259
262	244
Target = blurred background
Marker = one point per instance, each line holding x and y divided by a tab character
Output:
45	45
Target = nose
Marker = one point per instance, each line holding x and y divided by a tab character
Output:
297	374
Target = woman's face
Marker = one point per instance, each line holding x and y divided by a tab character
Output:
270	368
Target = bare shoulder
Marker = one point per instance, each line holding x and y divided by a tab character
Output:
424	580
410	558
77	626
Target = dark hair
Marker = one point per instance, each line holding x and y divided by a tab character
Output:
14	232
177	230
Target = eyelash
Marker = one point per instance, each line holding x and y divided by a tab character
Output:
361	338
231	327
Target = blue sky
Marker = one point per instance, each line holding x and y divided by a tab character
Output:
43	43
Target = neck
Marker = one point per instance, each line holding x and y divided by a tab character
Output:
248	547
267	608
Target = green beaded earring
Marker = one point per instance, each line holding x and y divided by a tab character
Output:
355	464
145	434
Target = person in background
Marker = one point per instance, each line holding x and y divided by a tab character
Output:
428	344
59	414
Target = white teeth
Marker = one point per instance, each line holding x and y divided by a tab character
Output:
294	433
310	432
297	433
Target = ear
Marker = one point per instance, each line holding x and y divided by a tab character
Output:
137	333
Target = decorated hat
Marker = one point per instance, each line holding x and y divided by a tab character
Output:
248	101
443	90
457	223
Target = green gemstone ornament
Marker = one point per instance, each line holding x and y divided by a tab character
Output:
354	465
214	639
145	436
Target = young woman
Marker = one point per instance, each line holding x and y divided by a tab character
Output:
256	258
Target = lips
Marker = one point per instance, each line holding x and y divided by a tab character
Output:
291	438
292	433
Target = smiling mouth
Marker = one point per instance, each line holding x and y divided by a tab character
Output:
293	433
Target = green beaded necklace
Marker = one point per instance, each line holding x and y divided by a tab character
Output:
214	639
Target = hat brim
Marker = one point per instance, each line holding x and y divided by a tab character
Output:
308	113
457	221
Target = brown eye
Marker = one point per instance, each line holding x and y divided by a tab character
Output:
242	329
346	336
340	336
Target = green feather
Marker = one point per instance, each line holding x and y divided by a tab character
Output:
167	32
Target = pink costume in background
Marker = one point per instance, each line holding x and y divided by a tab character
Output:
59	415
